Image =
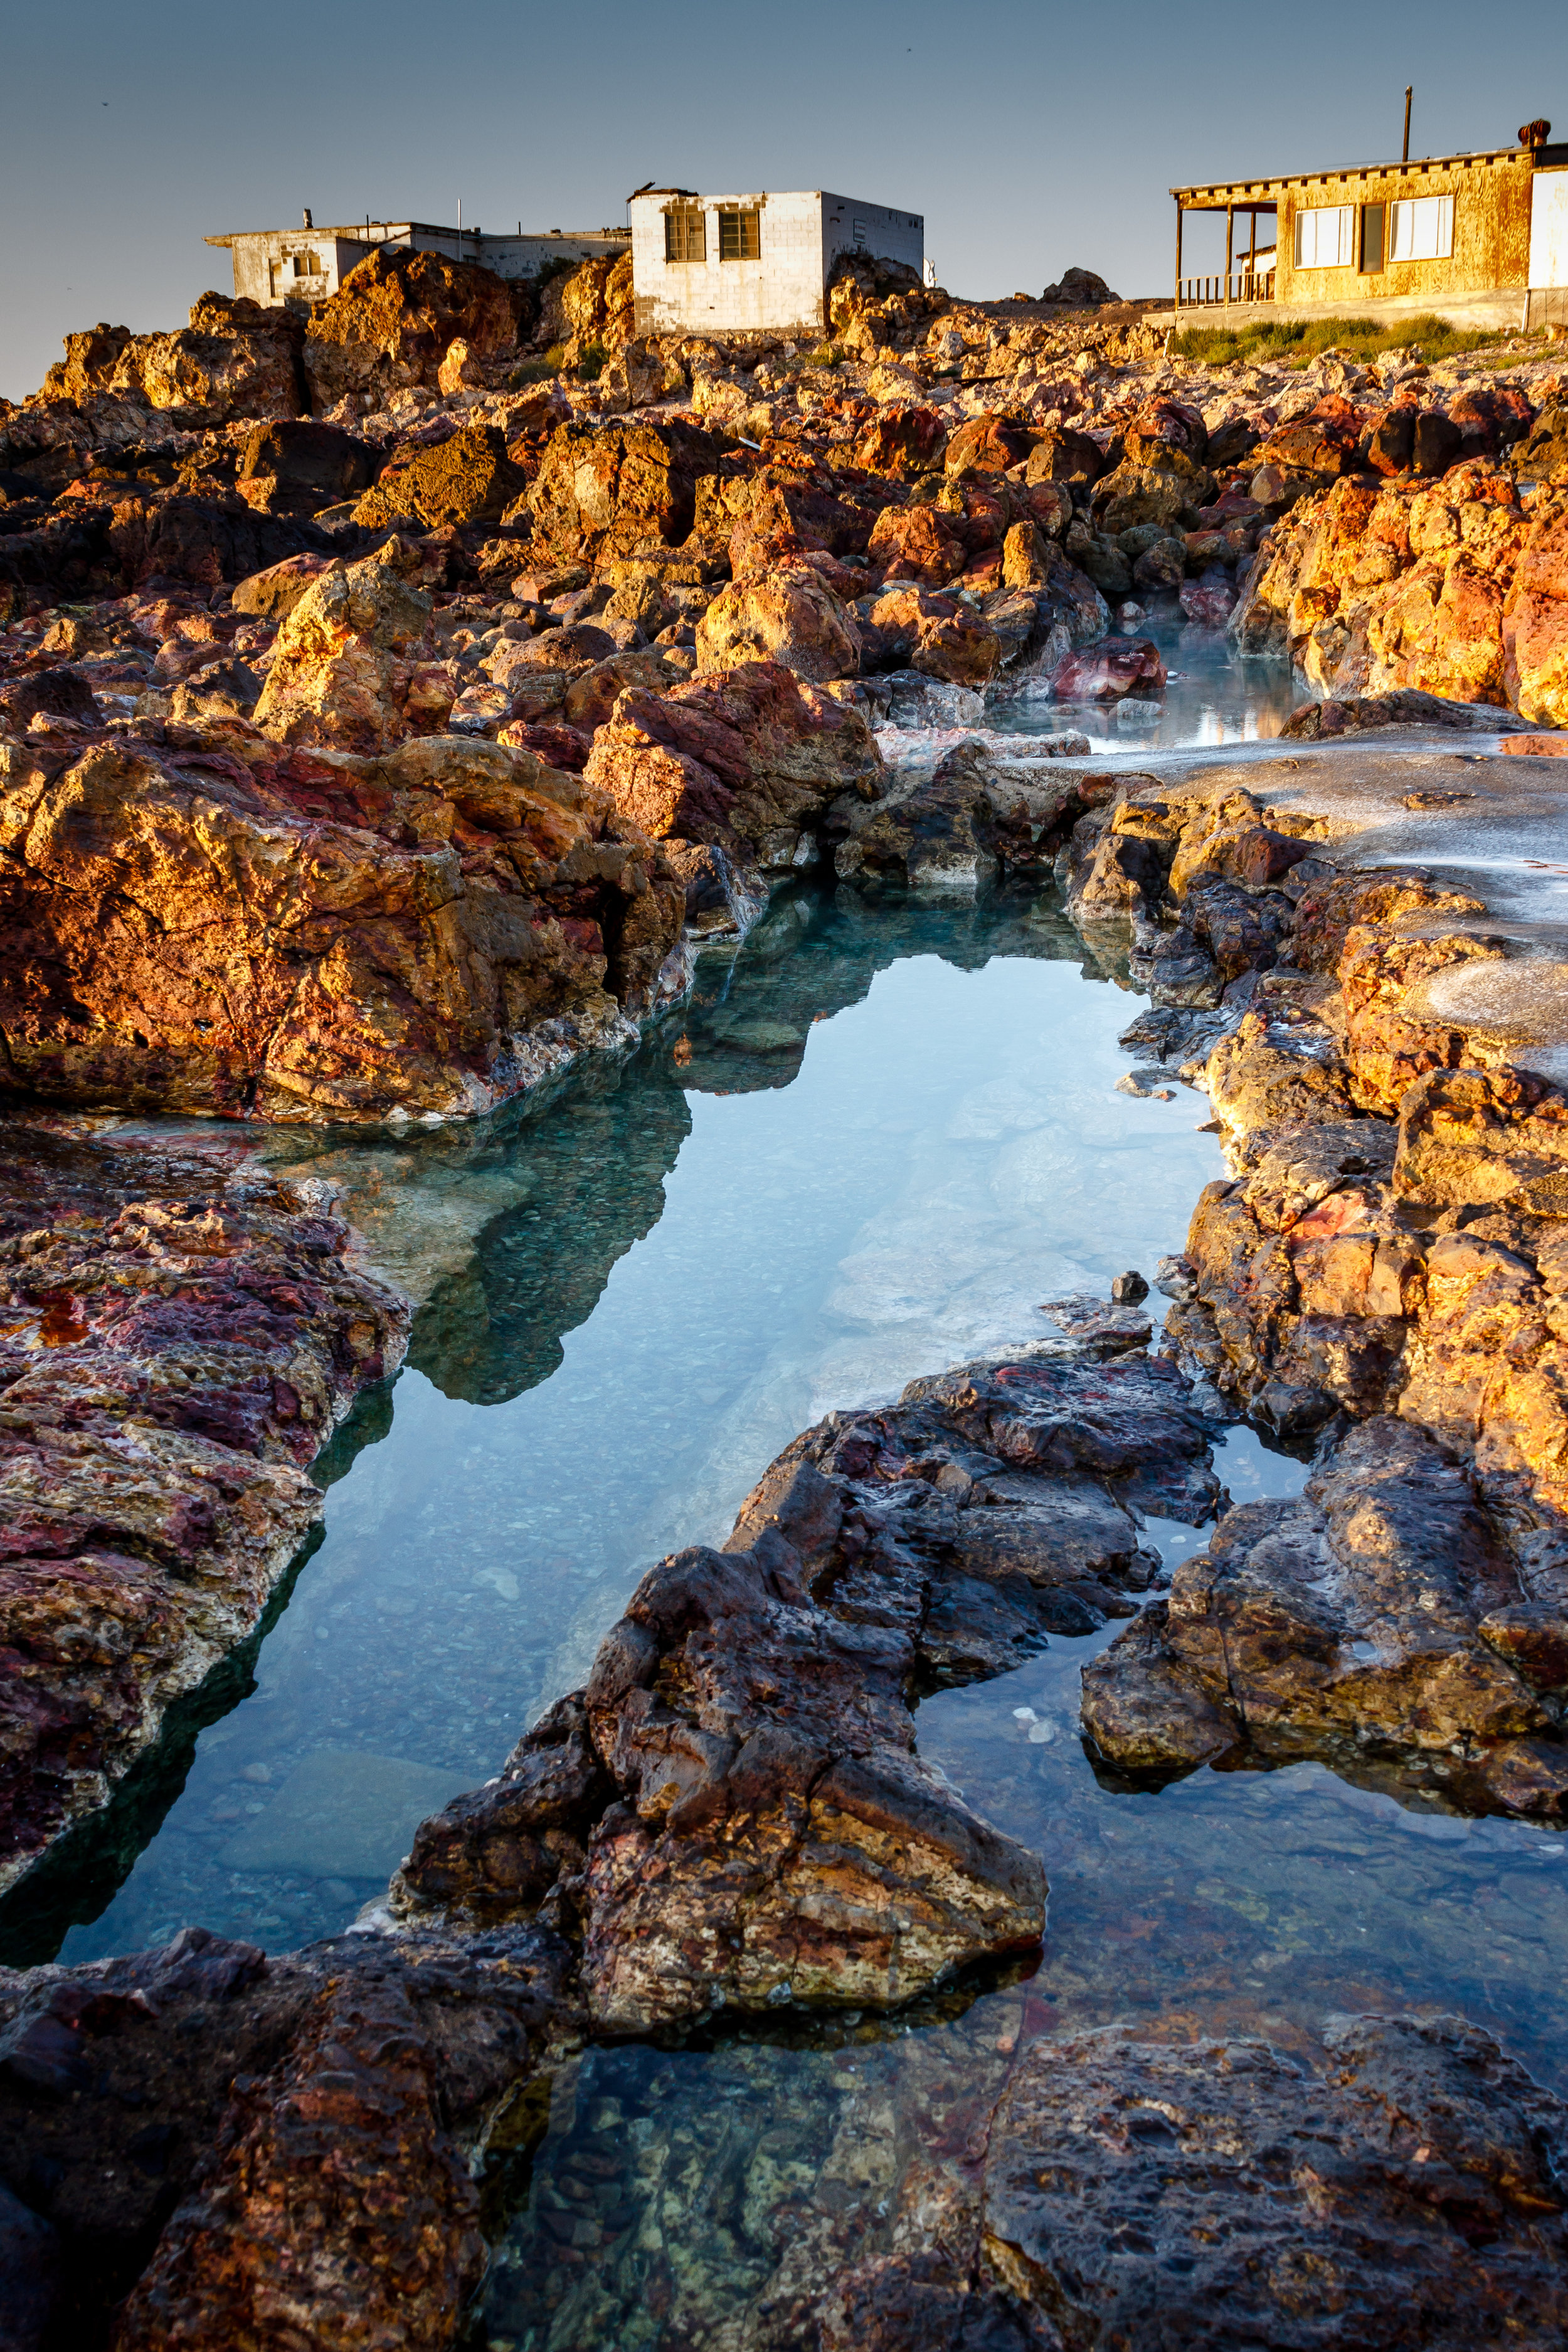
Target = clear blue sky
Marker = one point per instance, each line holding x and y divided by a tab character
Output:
1031	137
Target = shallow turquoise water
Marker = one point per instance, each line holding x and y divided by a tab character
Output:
869	1148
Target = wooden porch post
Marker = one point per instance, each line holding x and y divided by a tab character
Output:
1229	237
1178	304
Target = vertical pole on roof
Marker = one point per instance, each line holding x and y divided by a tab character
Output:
1178	304
1404	158
1229	238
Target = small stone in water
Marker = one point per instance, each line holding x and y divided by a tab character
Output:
1130	1289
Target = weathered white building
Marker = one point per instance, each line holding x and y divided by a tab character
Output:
734	264
280	266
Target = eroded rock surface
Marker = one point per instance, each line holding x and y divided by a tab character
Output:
270	2149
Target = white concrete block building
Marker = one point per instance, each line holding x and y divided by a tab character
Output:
757	263
278	267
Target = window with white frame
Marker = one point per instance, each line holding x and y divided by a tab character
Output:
1421	228
1325	237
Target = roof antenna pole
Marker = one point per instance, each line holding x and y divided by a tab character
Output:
1405	156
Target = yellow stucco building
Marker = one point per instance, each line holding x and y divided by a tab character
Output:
1481	239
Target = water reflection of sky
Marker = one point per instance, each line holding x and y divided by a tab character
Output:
1211	697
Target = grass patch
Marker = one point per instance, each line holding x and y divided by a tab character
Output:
591	361
1298	341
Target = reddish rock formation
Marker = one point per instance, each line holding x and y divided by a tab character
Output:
610	489
788	615
287	934
301	2130
182	1332
1456	587
751	761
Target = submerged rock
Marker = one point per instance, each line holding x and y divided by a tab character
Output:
1162	2194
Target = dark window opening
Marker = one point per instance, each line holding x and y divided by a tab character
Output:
1372	224
686	234
740	235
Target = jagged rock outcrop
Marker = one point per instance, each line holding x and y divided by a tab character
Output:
1456	587
393	319
467	478
788	615
299	466
750	762
1382	1617
732	1813
979	815
609	489
344	659
182	1332
288	934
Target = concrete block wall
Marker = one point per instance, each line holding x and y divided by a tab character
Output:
801	234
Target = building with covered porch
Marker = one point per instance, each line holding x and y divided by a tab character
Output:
1480	239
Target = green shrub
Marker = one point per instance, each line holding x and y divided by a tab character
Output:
591	361
1296	340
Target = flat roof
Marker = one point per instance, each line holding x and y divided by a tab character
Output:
1259	184
378	231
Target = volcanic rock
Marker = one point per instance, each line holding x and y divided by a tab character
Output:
300	2129
750	761
393	320
1352	1623
468	478
1417	2169
342	665
789	616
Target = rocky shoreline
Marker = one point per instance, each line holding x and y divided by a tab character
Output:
375	764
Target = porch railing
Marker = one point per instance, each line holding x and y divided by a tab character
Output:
1212	293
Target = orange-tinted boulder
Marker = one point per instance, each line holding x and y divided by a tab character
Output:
913	543
396	317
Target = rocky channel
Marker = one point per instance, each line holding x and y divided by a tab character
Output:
391	709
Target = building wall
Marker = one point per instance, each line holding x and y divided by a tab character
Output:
801	234
263	264
1492	233
263	259
514	256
